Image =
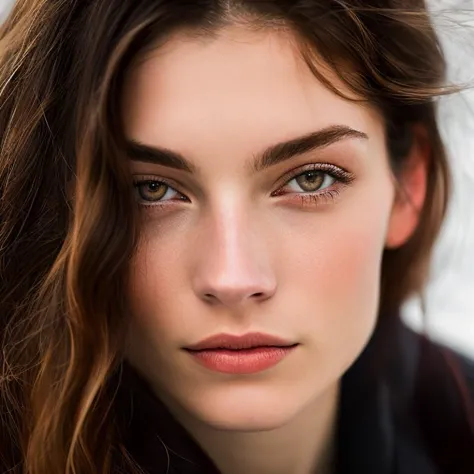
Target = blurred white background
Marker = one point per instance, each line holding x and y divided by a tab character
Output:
450	294
4	6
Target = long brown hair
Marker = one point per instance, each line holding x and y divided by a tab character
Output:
68	226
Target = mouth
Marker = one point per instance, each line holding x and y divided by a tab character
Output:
247	354
246	341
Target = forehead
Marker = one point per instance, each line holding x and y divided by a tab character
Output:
244	87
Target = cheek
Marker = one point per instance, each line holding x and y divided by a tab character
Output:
153	276
358	247
331	272
338	253
350	257
159	291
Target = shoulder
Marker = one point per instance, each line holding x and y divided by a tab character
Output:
448	365
412	397
443	396
439	372
466	366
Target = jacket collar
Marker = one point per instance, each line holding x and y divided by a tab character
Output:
377	428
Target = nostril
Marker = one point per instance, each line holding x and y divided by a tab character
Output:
212	298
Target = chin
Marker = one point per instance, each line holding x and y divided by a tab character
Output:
244	408
245	419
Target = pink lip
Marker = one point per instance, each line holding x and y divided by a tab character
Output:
246	341
247	354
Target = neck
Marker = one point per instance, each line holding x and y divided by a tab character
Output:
302	446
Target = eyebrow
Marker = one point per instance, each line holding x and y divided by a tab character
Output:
273	155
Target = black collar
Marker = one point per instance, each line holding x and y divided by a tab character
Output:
378	431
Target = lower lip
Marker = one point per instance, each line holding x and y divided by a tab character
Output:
245	361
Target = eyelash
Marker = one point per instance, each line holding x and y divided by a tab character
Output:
342	178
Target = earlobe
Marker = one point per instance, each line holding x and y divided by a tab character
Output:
410	194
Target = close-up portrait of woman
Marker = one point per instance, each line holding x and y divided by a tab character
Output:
211	214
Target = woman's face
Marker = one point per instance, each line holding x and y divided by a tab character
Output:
266	203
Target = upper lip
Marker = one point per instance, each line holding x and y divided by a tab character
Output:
235	342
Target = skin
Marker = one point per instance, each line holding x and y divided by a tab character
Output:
308	272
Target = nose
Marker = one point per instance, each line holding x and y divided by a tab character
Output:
234	266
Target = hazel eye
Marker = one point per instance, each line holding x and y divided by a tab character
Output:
317	183
152	191
311	181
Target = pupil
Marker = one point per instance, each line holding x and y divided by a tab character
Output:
153	187
312	176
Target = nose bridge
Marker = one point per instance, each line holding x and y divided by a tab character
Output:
233	265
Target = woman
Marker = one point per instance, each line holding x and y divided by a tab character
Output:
211	213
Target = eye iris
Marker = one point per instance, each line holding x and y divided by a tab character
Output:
310	181
152	191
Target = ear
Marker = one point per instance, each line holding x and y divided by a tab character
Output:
410	191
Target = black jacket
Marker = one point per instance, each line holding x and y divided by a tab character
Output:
405	408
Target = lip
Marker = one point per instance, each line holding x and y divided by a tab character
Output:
247	354
235	342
